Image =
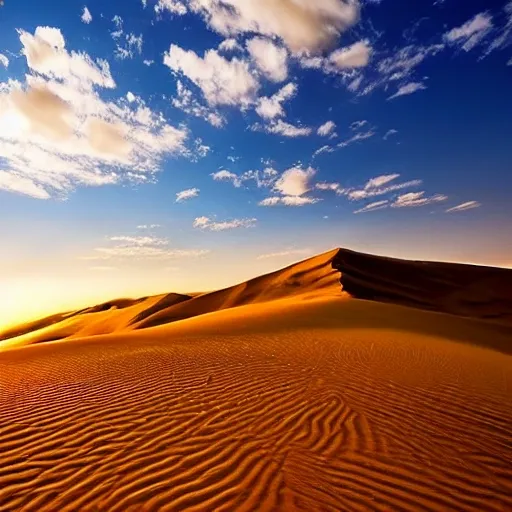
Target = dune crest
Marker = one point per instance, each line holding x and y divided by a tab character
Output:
476	292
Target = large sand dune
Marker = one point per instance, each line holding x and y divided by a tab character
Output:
299	398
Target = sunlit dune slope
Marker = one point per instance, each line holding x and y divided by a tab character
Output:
310	278
313	403
464	290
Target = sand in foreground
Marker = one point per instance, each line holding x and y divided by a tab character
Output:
281	393
274	412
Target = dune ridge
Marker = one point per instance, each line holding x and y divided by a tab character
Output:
464	290
282	393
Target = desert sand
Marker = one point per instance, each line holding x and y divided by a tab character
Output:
343	382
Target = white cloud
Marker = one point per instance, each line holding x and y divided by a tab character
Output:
222	82
390	133
379	186
141	248
301	24
309	62
174	6
286	129
86	16
503	38
403	62
295	181
224	175
288	201
269	58
282	254
141	241
149	226
46	54
148	62
272	107
184	195
355	56
326	129
208	224
378	205
184	100
323	149
16	182
57	133
471	33
130	46
118	22
4	61
265	178
357	125
229	45
470	205
335	187
356	138
407	89
413	199
380	181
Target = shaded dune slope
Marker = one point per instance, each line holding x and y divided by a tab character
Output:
465	290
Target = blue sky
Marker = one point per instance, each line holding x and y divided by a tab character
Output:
184	145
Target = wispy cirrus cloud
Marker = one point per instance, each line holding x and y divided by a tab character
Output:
469	205
208	224
413	199
377	205
471	33
288	201
284	254
334	187
283	128
390	133
133	248
380	186
407	89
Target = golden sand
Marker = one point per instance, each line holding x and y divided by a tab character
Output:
282	393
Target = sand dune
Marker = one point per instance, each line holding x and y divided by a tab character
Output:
466	290
313	277
299	398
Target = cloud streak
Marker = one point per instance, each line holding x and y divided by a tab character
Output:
208	224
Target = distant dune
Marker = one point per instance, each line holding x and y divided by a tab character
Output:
343	382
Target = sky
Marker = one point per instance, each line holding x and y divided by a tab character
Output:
187	145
